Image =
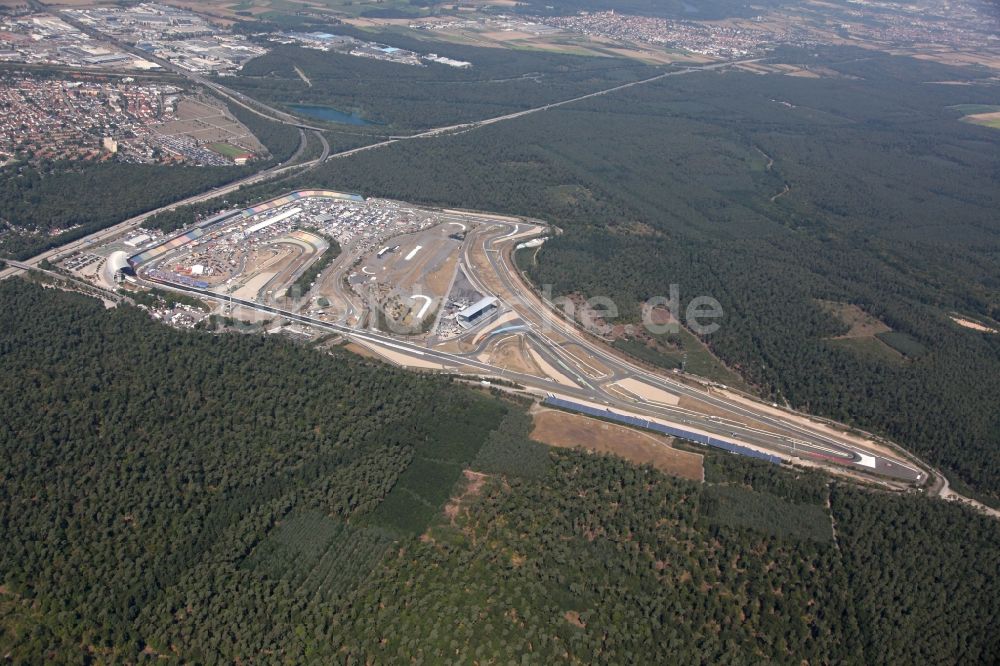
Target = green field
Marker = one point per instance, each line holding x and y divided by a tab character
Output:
985	122
683	350
227	149
510	451
971	113
421	490
872	349
903	343
974	109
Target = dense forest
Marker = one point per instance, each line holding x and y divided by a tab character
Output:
52	204
772	194
395	96
280	139
232	498
161	456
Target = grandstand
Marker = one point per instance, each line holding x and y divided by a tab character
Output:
301	194
117	267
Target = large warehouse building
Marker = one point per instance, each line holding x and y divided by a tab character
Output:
468	316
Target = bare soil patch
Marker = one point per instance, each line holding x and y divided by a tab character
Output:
510	354
647	391
473	486
974	325
361	351
571	431
439	280
862	324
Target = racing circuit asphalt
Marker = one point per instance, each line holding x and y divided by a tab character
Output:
798	440
792	439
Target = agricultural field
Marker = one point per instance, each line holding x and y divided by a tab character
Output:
514	34
212	126
987	115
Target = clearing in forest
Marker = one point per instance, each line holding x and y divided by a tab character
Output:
573	431
987	115
870	337
862	324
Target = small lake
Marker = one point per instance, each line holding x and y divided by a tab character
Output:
328	113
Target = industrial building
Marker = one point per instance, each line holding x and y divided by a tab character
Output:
468	316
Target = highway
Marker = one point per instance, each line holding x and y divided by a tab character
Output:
800	442
744	422
133	222
280	116
283	117
267	111
239	98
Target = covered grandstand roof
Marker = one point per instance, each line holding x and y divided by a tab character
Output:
117	261
114	264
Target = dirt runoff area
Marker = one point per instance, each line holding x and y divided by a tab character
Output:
572	431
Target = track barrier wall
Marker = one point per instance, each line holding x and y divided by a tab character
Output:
647	424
